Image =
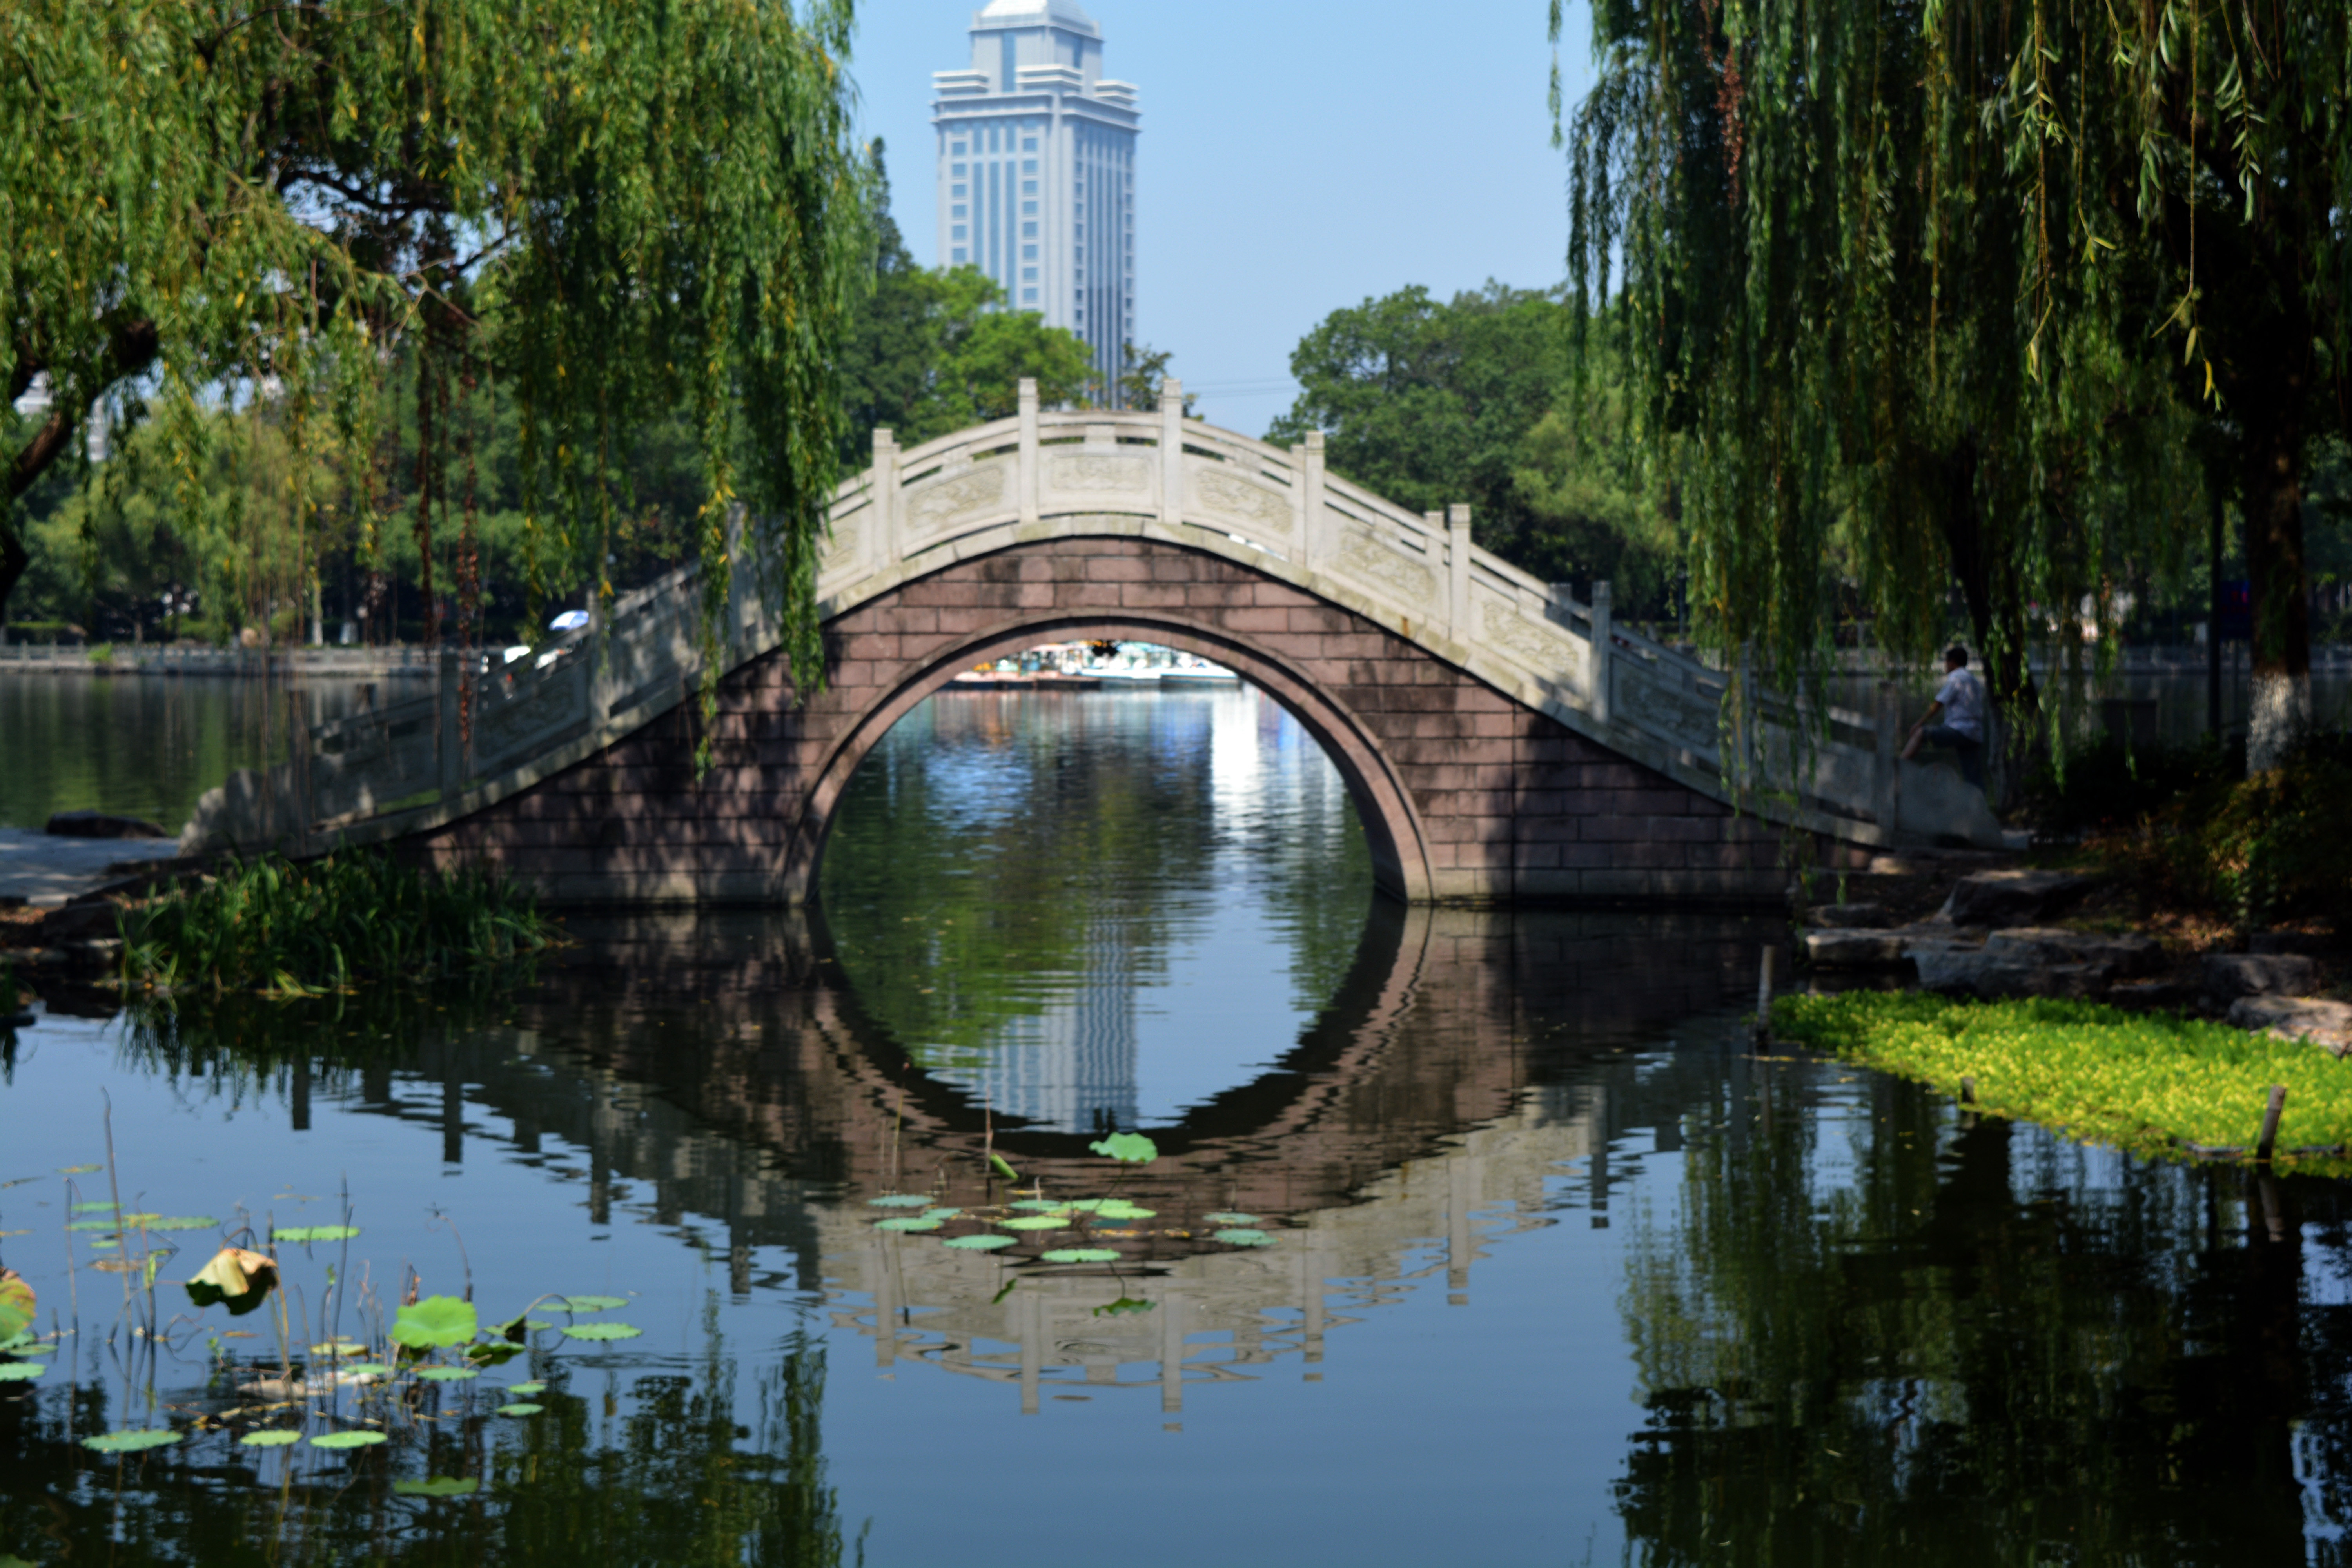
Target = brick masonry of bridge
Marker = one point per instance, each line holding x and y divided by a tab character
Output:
1463	793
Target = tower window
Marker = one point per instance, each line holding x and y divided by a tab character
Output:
955	190
958	211
1028	253
1028	207
1028	188
1029	165
955	171
1028	231
1029	144
959	232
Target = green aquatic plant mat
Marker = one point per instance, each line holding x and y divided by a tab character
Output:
2148	1083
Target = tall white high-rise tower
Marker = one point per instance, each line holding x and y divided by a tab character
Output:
1037	171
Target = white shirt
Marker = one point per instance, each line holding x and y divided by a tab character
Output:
1963	696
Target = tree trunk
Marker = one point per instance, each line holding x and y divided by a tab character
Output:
2278	700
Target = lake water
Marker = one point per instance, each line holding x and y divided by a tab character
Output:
1554	1271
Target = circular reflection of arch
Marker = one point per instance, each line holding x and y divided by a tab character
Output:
1394	831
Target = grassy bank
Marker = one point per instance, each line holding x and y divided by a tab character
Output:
2148	1083
292	928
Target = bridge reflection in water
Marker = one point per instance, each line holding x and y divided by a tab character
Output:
715	1073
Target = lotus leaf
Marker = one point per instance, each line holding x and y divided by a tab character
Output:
21	1371
315	1232
77	1170
1120	1208
520	1407
16	1304
899	1201
603	1331
238	1279
338	1348
446	1373
271	1439
979	1243
1126	1148
527	1388
439	1485
435	1321
1035	1222
347	1440
1082	1255
941	1214
591	1303
132	1442
169	1222
492	1353
107	1224
367	1368
1244	1239
1228	1217
100	1205
1040	1205
908	1222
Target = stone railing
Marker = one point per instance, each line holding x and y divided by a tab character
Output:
1043	475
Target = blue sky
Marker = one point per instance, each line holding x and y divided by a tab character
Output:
1296	157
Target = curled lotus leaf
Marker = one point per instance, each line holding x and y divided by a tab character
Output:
315	1232
982	1243
348	1439
446	1373
906	1222
1244	1239
21	1371
520	1407
996	1163
493	1352
273	1438
591	1303
16	1304
900	1201
1035	1222
603	1331
132	1441
1228	1216
527	1388
439	1485
237	1278
1126	1148
434	1323
1082	1255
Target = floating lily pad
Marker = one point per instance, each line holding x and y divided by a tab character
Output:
900	1201
591	1303
1082	1255
1244	1239
941	1214
1120	1208
77	1170
520	1407
435	1321
446	1373
527	1388
101	1206
347	1440
1041	1205
906	1222
439	1485
273	1438
1126	1148
603	1331
169	1222
21	1371
315	1232
367	1368
107	1224
133	1441
1229	1218
1035	1222
979	1243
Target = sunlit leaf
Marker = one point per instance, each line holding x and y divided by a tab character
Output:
1229	1218
347	1440
1035	1222
92	1225
367	1368
21	1371
603	1331
1120	1208
439	1485
1126	1148
446	1373
906	1222
17	1304
237	1278
527	1388
1082	1255
1244	1239
435	1321
339	1348
520	1407
271	1439
306	1233
132	1442
978	1242
77	1170
96	1205
941	1214
591	1303
169	1222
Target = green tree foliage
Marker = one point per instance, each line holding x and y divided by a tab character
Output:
607	212
1926	295
1429	403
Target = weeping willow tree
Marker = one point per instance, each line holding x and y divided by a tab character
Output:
1941	295
610	211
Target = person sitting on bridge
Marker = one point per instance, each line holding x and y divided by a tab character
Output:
1960	701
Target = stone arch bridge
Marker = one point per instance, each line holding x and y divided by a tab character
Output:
1501	740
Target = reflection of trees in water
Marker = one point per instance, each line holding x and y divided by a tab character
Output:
994	848
1894	1337
721	1464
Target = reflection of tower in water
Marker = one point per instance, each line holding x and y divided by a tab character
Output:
1072	1068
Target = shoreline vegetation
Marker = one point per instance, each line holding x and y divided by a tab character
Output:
291	928
2158	1086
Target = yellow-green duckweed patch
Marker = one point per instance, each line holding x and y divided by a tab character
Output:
2145	1082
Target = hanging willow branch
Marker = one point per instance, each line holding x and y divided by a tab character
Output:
609	211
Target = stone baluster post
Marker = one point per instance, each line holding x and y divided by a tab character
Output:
1604	649
885	549
1886	773
1172	452
1027	476
1315	540
1457	571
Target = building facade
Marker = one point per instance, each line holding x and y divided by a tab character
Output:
1036	184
